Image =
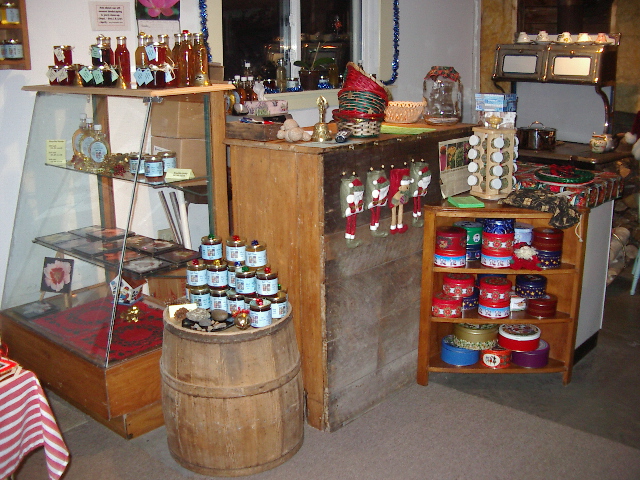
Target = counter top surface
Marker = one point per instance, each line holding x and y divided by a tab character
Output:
577	152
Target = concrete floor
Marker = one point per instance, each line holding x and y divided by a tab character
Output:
603	397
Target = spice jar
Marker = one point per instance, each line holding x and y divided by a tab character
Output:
442	93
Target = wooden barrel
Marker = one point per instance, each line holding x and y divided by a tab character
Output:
232	401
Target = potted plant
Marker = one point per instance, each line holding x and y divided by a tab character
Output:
310	72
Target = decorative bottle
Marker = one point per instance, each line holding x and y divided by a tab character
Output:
201	61
175	56
442	92
186	63
281	76
99	148
123	60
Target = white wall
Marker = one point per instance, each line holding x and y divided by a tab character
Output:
432	32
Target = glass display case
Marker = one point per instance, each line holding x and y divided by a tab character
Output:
79	307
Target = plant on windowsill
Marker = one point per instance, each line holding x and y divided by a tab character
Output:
310	72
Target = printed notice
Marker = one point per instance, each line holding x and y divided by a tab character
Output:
56	152
109	15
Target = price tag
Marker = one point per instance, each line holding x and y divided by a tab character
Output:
143	76
55	154
86	74
59	54
114	75
168	76
151	52
52	75
62	75
177	174
95	51
98	77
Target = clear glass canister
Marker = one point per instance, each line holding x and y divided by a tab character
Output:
442	93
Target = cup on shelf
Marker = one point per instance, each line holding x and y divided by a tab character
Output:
523	38
564	37
543	36
584	38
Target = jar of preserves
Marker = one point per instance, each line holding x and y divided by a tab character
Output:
169	159
217	276
235	301
260	313
246	281
200	295
211	248
232	269
13	49
153	169
136	164
10	13
236	249
266	282
219	300
279	304
442	93
62	55
256	254
196	273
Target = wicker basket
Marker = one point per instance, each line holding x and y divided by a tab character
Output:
360	127
361	101
404	112
358	80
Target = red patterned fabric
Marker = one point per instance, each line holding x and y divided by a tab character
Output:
26	423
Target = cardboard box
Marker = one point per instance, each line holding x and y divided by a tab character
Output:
253	131
178	118
496	102
267	107
190	152
216	71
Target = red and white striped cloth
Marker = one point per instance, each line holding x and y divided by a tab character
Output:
26	422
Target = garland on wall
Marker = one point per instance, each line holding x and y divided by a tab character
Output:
396	48
203	25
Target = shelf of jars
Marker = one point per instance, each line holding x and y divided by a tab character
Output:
14	37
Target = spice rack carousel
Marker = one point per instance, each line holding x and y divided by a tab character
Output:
565	282
84	343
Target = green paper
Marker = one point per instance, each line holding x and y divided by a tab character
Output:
405	130
466	202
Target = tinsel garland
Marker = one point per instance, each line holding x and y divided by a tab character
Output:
203	26
396	48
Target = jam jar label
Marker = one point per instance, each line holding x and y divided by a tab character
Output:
220	303
235	304
202	300
260	318
211	252
196	277
256	259
246	285
236	254
267	287
217	278
278	310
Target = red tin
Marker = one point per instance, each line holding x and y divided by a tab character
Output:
547	238
458	284
495	290
445	306
519	337
451	240
543	307
450	259
496	357
498	242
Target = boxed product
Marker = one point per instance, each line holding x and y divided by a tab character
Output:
216	72
190	152
178	118
496	102
267	107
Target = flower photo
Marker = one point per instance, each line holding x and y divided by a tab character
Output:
158	9
56	275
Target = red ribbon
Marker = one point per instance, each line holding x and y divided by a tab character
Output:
562	171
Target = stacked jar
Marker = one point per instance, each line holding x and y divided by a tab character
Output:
62	72
451	246
548	244
522	233
474	238
197	289
497	242
495	297
461	285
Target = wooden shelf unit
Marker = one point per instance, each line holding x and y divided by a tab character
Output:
565	282
19	32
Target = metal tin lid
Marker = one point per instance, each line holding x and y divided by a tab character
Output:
548	233
519	331
499	284
462	279
531	281
457	232
498	225
548	301
440	298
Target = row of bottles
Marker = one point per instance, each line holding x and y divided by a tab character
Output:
90	145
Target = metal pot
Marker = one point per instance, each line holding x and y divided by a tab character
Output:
537	137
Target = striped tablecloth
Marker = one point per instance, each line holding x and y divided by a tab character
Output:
26	422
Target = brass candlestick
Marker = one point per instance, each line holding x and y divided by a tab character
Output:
321	129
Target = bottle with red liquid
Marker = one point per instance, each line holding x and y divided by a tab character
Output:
187	60
123	60
157	64
175	56
167	66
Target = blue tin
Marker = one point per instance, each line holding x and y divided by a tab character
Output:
473	252
471	302
531	286
549	259
456	355
498	225
523	233
480	276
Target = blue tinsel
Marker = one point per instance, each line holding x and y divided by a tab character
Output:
396	49
203	25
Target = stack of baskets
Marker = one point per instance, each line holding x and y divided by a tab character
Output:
362	101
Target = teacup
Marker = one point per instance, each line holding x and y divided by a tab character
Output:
543	36
602	38
564	37
523	38
598	143
584	37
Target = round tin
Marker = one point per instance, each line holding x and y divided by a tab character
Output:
548	239
495	261
498	225
246	281
217	275
211	247
522	233
445	306
493	310
496	357
471	302
480	276
498	242
475	337
543	307
548	260
458	284
530	285
256	254
235	301
196	273
260	313
519	337
455	260
451	240
537	358
219	300
474	231
236	249
266	282
473	252
495	289
453	355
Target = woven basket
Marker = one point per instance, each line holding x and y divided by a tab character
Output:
361	101
358	80
404	112
360	127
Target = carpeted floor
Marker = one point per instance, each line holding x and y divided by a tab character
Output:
459	427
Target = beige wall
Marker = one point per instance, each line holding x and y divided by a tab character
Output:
499	24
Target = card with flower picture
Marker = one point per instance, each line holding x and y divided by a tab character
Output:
98	248
157	247
145	265
56	275
110	234
179	255
93	231
113	258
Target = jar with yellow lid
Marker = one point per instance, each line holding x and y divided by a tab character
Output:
217	275
266	281
260	313
256	254
211	248
236	249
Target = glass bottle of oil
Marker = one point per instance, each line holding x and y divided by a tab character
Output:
86	139
201	61
98	149
187	60
175	57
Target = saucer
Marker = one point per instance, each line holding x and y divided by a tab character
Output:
542	42
587	42
528	42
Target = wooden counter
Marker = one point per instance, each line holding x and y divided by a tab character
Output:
357	310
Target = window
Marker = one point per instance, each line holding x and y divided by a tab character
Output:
262	31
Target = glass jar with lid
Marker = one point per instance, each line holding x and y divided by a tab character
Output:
442	93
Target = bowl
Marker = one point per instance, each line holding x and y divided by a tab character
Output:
403	112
